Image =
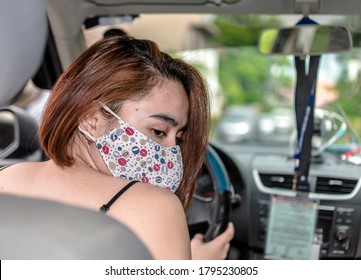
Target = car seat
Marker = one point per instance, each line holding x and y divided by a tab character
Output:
45	230
38	229
23	37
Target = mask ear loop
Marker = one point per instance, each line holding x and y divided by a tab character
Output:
86	133
110	111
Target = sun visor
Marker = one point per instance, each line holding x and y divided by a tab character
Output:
23	36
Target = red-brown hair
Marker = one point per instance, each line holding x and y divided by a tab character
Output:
111	71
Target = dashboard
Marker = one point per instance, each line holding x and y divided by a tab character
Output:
258	173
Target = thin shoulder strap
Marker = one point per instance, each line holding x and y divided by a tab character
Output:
3	167
106	207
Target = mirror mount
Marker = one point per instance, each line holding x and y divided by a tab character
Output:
305	20
306	7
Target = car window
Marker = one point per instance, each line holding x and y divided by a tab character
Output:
252	94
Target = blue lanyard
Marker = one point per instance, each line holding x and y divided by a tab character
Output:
305	90
306	117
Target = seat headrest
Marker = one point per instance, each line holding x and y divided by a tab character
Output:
23	36
35	229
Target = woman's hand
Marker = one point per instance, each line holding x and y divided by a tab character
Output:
215	249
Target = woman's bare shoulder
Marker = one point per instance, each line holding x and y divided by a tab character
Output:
149	199
157	216
19	178
20	166
20	171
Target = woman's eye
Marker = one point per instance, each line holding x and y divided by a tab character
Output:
159	133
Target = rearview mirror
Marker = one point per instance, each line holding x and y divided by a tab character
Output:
306	39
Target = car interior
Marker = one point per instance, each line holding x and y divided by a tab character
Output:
263	170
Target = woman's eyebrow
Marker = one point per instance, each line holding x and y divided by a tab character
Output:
167	118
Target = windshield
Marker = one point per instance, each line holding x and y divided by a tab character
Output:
252	94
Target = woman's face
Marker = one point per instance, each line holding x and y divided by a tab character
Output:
162	115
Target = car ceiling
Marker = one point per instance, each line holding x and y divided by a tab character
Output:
67	16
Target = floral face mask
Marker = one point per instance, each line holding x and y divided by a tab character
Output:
131	155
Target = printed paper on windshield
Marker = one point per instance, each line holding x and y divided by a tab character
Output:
291	228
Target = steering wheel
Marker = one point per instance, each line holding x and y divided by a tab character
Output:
210	209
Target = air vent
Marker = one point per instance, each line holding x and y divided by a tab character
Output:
334	185
280	181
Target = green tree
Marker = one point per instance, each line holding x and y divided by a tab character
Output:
349	84
350	89
245	74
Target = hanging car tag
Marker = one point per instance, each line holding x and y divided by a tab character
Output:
291	228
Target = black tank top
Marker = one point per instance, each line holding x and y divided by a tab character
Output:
106	207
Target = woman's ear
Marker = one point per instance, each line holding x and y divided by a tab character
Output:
93	123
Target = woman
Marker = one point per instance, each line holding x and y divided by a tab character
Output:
125	129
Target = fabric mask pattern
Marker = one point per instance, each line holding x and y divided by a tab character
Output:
129	154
